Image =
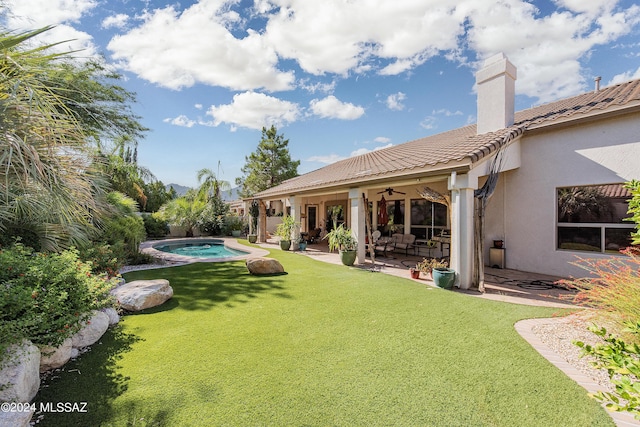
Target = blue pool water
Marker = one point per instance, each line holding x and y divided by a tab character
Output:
209	249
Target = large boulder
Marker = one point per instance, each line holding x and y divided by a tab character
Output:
141	294
16	419
20	378
113	315
92	329
259	266
54	357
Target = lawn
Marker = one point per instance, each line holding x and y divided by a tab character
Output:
322	345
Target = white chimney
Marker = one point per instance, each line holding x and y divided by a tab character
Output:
496	83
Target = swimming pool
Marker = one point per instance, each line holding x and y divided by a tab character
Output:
200	249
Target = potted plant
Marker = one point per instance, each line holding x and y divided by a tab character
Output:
254	211
443	277
302	243
284	231
428	264
342	239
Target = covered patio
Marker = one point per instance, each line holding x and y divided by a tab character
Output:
500	284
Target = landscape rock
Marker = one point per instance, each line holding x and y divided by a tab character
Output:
15	419
113	315
261	266
54	357
20	379
141	294
92	330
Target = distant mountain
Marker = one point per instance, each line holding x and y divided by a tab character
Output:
230	195
181	190
227	196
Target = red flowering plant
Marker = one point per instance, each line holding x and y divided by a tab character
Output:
42	294
612	286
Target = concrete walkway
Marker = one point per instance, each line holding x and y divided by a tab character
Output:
500	284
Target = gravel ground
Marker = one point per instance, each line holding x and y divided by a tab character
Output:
560	334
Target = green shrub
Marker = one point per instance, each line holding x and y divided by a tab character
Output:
125	229
155	226
634	209
232	222
622	362
104	258
43	297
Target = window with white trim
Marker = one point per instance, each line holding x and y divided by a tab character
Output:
591	218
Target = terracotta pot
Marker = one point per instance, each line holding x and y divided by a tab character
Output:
415	274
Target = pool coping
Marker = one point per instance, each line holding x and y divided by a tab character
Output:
229	242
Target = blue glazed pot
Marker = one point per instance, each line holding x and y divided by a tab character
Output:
443	277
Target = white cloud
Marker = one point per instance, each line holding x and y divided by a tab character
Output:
24	15
447	113
254	110
547	50
209	42
198	106
331	107
317	87
181	120
39	13
429	123
331	158
360	151
624	77
394	102
179	49
338	37
591	7
382	139
115	21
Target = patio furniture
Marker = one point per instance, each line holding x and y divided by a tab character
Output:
313	235
427	244
404	242
384	245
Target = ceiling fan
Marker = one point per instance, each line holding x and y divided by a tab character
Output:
390	191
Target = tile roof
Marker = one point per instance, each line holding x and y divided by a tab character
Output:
458	147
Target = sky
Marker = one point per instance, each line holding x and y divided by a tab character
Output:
337	78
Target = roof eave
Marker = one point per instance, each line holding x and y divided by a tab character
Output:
443	169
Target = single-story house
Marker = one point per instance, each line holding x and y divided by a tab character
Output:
554	174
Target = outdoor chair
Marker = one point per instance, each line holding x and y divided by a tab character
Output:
313	235
404	242
386	245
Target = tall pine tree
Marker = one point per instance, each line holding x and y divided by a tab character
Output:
269	165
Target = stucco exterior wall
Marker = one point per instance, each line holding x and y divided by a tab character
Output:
523	209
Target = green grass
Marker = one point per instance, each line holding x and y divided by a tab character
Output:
322	345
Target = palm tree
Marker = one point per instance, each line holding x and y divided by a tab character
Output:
210	185
185	211
49	186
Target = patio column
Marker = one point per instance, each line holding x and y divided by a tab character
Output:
262	224
296	210
461	248
358	221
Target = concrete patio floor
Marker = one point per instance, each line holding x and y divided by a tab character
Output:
500	284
